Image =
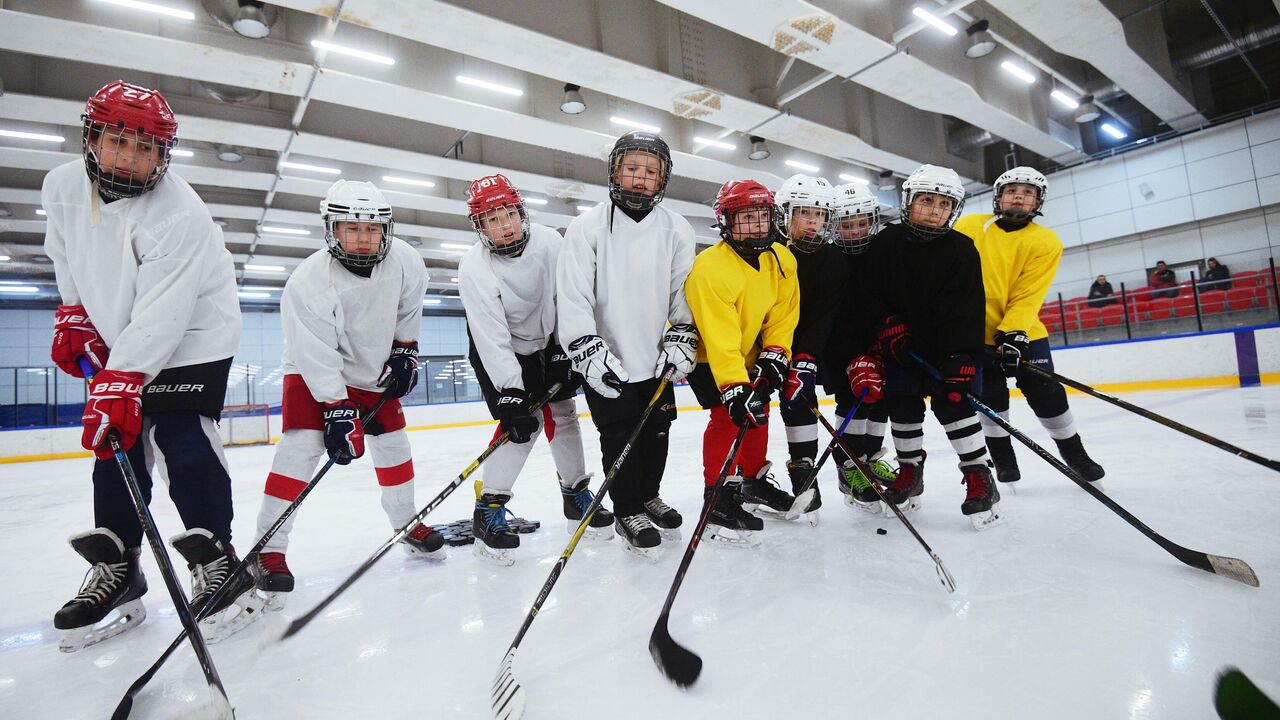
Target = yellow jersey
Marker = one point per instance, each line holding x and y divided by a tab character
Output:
1017	270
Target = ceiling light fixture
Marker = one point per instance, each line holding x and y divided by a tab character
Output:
431	301
627	122
284	230
228	153
715	143
797	164
759	148
265	268
517	92
181	153
40	212
584	208
152	8
250	20
572	103
887	183
1064	99
5	258
535	201
981	44
254	295
455	246
408	181
854	179
1113	131
935	21
1018	71
309	168
1088	111
42	137
352	52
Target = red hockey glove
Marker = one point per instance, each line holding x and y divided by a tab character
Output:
74	337
114	405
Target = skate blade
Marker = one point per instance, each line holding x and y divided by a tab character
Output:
653	554
911	505
242	613
603	533
412	551
986	520
670	534
503	558
732	537
873	507
812	517
117	621
274	600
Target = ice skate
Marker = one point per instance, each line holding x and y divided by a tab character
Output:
729	522
640	537
806	502
982	497
110	600
859	495
495	541
665	519
762	497
576	502
424	541
211	564
1003	457
274	579
1072	452
905	491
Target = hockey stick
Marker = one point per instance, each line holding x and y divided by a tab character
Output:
126	703
508	697
943	574
1232	568
805	496
1203	437
296	626
218	694
681	665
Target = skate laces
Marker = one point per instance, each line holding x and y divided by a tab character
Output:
209	576
884	470
636	523
100	581
906	477
581	498
854	476
495	517
420	531
975	482
657	506
273	563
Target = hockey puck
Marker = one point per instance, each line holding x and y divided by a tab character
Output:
881	531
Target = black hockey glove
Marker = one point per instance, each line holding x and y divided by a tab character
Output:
558	369
772	365
895	338
1012	347
400	372
747	408
514	417
958	372
343	431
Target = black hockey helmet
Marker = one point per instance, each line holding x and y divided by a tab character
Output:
638	141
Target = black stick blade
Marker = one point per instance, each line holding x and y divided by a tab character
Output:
681	665
1233	568
508	698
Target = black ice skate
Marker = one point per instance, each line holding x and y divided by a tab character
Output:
905	492
112	592
495	540
982	497
641	537
664	518
1072	452
576	501
857	489
425	541
729	522
807	502
762	497
273	578
211	564
1001	449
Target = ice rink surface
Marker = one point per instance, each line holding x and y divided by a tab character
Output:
1064	611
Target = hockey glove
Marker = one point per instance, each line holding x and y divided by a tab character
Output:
1012	347
557	368
679	348
798	391
747	408
600	368
514	417
343	431
771	364
114	405
866	375
958	372
400	372
895	338
74	337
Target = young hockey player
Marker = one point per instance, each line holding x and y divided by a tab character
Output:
923	281
745	300
620	299
149	300
1019	260
351	315
855	218
507	283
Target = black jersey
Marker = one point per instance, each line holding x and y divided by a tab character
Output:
827	306
935	284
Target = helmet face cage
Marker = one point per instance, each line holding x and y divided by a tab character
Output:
1020	176
804	243
114	181
855	246
513	248
647	144
752	245
335	214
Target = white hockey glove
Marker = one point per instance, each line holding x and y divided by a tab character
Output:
680	348
600	368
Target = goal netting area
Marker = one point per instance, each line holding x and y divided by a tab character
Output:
245	425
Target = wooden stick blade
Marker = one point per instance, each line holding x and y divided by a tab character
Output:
800	504
681	665
1233	568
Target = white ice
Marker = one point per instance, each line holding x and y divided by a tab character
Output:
1064	611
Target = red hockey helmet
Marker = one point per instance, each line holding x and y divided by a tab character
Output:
736	196
141	129
485	198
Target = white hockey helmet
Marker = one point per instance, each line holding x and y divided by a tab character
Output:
854	200
805	191
1020	175
355	201
938	181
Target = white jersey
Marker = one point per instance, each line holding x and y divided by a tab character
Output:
338	326
624	281
510	303
152	271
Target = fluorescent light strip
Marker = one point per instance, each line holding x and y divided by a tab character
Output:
456	246
488	85
1114	131
284	230
5	258
431	301
1018	72
934	20
42	137
152	8
1064	100
803	166
311	168
584	208
854	179
259	288
19	289
628	122
408	181
266	268
255	295
41	212
535	201
716	143
182	153
372	57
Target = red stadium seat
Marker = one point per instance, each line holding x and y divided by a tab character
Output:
1263	295
1240	298
1213	301
1160	309
1138	310
1112	315
1246	279
1089	318
1184	306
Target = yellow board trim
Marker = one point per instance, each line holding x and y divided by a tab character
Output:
1203	383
